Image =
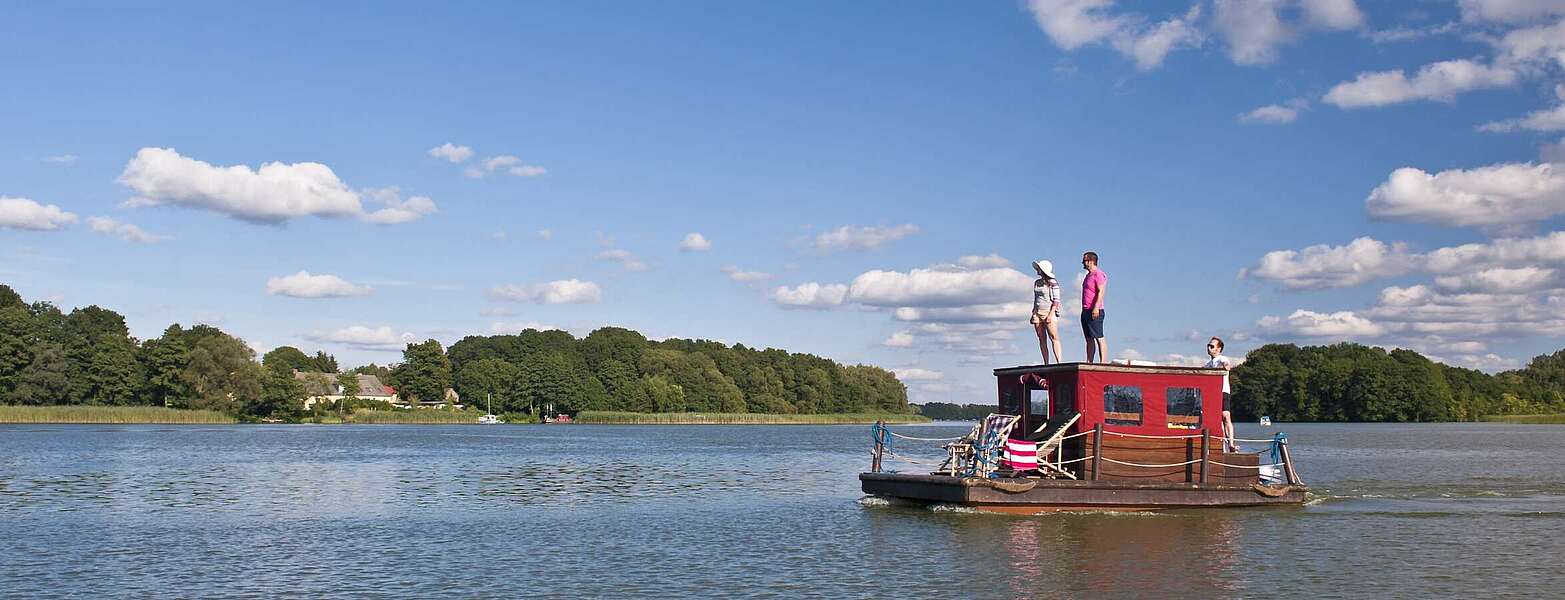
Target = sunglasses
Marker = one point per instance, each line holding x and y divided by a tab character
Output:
1211	345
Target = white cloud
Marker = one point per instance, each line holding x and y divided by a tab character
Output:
1548	119
1402	34
992	261
63	159
1337	325
810	295
397	210
624	258
1071	24
1502	280
545	234
124	231
849	237
359	336
451	152
1253	29
937	288
917	374
1498	195
1420	309
1333	14
1486	362
1554	153
1323	266
1015	312
900	339
564	291
273	194
1503	252
507	164
1509	11
503	328
695	242
742	276
23	213
1275	114
1440	81
1532	45
305	285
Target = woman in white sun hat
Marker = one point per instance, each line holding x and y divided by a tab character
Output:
1046	309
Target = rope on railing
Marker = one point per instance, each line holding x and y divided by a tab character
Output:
1153	437
919	439
1131	464
1260	441
1257	467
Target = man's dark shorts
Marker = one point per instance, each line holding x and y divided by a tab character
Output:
1226	403
1093	327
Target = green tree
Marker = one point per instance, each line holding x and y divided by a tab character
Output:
493	379
281	396
163	361
45	379
287	359
9	298
323	362
113	376
425	372
222	374
17	340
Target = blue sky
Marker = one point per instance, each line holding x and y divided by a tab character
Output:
868	181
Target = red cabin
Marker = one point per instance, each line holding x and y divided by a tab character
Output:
1150	415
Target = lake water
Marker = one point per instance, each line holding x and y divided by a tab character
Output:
1410	511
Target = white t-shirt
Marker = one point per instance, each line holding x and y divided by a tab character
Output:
1219	362
1043	295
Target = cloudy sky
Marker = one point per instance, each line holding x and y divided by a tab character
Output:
864	181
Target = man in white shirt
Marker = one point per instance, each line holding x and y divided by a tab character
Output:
1214	349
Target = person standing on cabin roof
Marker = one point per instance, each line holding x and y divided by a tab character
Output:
1092	291
1214	349
1046	309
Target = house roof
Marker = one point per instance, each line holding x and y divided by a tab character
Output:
325	384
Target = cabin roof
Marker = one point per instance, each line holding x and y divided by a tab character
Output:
1105	368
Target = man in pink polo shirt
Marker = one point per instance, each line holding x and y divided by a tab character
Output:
1092	291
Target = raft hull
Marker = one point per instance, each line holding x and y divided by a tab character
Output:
1053	495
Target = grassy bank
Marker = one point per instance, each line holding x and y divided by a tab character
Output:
630	418
384	417
108	414
1556	419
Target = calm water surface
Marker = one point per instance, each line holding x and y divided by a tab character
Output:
1410	511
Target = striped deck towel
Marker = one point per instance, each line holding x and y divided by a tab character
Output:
1020	455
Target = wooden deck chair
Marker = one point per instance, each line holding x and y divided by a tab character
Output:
977	454
1053	437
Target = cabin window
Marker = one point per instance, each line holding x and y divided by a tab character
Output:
1121	405
1064	400
1038	403
1184	408
1008	403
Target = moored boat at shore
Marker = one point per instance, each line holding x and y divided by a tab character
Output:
1088	436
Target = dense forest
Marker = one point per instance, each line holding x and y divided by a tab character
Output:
945	411
87	356
1352	382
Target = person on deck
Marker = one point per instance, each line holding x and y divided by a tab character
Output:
1214	349
1092	292
1046	309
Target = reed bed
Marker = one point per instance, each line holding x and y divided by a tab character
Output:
1555	419
631	418
439	417
110	415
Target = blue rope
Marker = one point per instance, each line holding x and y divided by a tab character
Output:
881	435
1277	442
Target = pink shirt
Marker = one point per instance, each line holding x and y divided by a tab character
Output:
1090	287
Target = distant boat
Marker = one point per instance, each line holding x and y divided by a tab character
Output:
1266	421
491	418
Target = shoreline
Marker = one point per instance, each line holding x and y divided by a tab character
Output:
157	415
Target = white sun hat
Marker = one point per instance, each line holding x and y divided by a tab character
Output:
1046	267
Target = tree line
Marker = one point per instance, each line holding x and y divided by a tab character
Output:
87	356
1353	382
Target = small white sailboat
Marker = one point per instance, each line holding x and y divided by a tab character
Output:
1266	421
491	418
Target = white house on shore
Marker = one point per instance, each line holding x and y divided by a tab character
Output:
323	387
